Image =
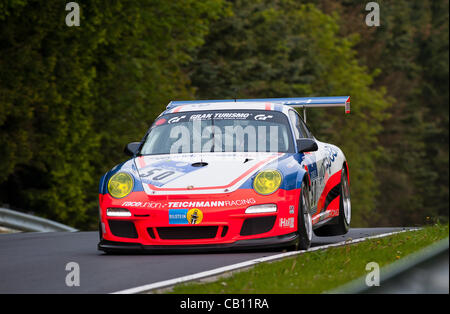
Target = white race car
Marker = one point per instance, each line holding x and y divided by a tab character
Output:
227	174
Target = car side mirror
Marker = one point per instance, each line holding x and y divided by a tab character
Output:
307	145
131	148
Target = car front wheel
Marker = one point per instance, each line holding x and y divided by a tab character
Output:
304	222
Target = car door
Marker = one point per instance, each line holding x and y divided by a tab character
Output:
312	161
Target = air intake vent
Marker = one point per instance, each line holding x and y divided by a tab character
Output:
199	164
123	229
151	233
224	231
257	225
187	233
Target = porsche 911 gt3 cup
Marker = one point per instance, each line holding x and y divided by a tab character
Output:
223	174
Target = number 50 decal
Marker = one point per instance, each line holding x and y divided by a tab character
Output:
159	176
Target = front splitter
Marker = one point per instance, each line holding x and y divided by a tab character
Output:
253	244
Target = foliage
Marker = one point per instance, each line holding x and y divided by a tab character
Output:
70	97
410	48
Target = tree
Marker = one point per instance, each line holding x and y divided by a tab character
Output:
410	50
70	97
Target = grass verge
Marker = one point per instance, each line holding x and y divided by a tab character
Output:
319	271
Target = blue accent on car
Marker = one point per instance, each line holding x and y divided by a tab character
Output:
178	216
289	167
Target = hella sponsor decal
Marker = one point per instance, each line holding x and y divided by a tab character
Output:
192	216
287	222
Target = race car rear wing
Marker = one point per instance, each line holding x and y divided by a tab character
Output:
296	102
316	102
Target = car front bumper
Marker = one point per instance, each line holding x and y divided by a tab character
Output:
225	227
253	244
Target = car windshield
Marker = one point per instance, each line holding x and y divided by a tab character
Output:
219	131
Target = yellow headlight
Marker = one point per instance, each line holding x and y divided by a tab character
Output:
120	185
267	182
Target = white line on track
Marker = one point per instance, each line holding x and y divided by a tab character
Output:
224	269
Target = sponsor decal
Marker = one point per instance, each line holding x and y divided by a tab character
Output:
176	119
231	115
287	222
291	209
221	116
203	116
192	216
315	219
144	204
178	216
230	203
310	162
333	212
331	154
191	204
263	117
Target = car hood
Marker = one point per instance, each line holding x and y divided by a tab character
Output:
204	173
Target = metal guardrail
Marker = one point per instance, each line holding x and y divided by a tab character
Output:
24	222
426	271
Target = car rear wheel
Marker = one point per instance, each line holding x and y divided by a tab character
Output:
340	224
304	224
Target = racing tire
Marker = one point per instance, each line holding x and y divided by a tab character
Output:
340	224
304	221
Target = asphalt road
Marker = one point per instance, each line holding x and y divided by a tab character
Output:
36	262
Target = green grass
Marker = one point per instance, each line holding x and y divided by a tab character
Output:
320	271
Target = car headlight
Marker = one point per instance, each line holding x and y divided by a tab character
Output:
261	209
267	182
118	212
120	185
